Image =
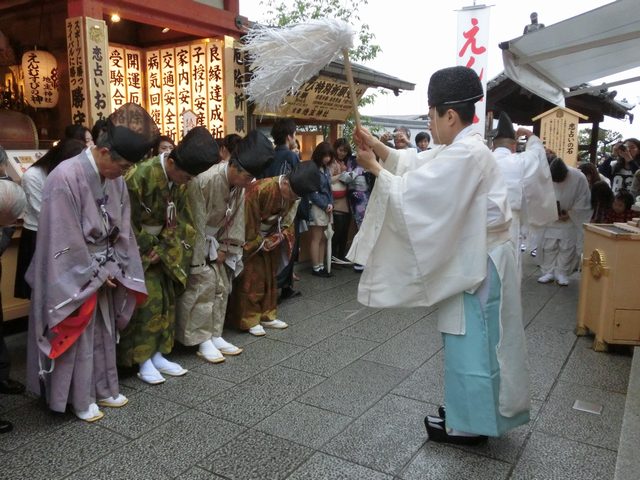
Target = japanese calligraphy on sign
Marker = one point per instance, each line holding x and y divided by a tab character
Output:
559	132
322	98
170	125
97	69
125	76
235	106
154	89
178	79
473	38
76	62
40	79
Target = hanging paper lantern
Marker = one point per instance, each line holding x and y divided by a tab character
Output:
40	79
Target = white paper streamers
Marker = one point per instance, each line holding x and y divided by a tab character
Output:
282	59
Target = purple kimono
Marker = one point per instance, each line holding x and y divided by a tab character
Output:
84	237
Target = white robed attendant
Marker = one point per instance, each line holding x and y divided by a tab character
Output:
436	232
529	187
562	239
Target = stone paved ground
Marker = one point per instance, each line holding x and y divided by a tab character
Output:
340	394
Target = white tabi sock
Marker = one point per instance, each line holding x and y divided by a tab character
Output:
147	368
167	367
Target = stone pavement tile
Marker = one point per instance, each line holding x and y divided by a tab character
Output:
534	298
304	424
324	467
11	402
256	357
507	447
543	371
323	325
559	418
439	461
190	389
608	371
544	340
164	452
61	452
330	355
334	290
383	325
426	383
300	309
238	338
144	412
260	396
256	455
197	473
385	437
546	457
355	388
411	347
31	422
561	310
128	378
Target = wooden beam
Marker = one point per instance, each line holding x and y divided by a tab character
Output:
194	18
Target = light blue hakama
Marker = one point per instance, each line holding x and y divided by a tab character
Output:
472	371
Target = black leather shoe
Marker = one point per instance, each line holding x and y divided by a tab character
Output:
321	273
442	411
438	433
5	427
11	387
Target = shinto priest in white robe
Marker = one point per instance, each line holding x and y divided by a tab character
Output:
436	232
529	186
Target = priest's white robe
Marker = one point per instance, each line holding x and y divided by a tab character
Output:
529	187
562	240
436	223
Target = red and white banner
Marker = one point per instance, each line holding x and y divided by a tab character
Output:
472	51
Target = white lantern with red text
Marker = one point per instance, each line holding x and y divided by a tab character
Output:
40	71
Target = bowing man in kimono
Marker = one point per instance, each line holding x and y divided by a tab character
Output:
270	208
217	201
436	231
86	273
529	186
163	225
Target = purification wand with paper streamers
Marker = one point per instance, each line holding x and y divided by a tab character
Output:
284	58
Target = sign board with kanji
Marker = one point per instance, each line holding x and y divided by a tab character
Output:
559	132
321	98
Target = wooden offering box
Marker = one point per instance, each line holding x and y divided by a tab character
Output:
609	304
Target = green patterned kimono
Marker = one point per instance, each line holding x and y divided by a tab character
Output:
169	233
255	291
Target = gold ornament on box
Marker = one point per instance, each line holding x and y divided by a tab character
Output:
598	263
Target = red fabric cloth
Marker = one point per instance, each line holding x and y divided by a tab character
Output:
339	193
70	329
611	216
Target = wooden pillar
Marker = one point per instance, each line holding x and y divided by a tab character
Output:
84	8
593	146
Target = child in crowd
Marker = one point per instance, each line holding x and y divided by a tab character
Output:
621	209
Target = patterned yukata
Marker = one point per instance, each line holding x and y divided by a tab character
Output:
161	220
255	290
358	190
219	222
